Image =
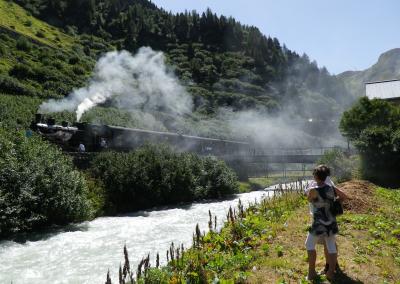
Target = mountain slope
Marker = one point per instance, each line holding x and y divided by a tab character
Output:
222	63
199	45
14	19
39	61
386	68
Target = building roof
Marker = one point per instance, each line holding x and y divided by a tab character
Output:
389	89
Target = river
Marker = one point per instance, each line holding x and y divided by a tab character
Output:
83	253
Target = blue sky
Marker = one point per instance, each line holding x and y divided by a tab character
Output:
339	34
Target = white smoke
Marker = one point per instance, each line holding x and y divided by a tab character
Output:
142	81
144	86
268	131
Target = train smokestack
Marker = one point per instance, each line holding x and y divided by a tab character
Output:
51	121
38	118
81	125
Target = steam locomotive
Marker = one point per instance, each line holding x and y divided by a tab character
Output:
97	137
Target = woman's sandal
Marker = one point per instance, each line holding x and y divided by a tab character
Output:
326	268
330	279
312	276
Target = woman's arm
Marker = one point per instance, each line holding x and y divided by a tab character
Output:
312	194
341	194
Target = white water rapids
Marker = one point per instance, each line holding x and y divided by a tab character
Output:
85	252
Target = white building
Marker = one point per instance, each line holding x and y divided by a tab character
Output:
386	90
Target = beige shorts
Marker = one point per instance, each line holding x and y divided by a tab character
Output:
330	241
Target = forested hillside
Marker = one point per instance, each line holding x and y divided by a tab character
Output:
221	62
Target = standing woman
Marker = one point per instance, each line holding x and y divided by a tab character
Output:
324	225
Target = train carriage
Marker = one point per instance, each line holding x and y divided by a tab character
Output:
125	139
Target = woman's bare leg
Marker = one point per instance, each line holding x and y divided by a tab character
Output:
312	258
326	258
332	265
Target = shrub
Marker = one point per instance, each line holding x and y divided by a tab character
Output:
5	37
373	127
73	60
96	196
13	86
2	50
23	44
17	111
28	23
61	56
58	64
156	175
78	70
71	30
38	186
218	180
58	87
86	50
44	74
40	34
343	168
21	71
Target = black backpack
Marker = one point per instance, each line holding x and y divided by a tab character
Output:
336	206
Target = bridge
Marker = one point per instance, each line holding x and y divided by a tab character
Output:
281	159
284	161
284	155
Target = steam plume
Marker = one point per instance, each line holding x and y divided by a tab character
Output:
143	85
141	81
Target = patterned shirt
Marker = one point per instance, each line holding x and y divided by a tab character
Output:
324	223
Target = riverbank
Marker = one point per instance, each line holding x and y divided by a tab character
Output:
260	183
265	244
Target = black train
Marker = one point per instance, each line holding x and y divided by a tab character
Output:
97	137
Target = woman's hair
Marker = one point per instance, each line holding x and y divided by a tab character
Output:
321	172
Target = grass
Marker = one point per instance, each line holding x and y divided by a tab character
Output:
15	18
265	244
368	242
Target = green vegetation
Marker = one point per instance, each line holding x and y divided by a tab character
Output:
265	244
222	62
40	61
374	235
367	241
343	167
38	186
18	20
156	175
374	128
34	70
17	111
